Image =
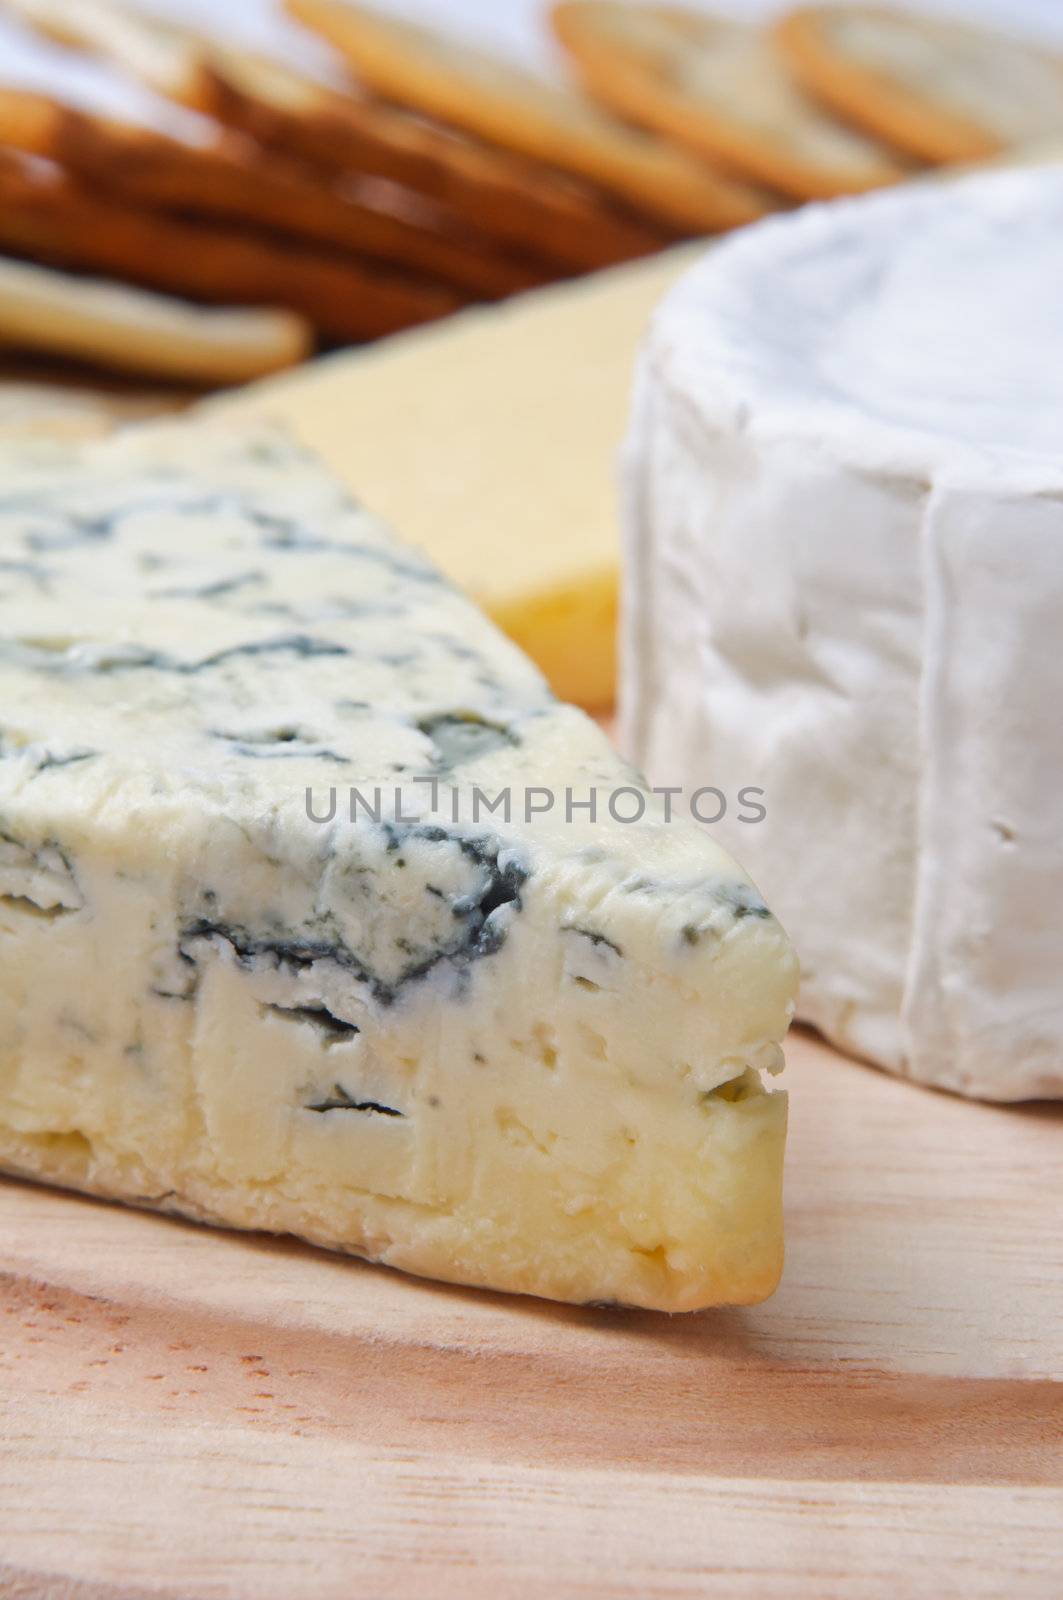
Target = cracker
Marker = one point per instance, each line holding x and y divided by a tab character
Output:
236	183
509	108
942	90
717	86
58	103
51	217
523	206
133	330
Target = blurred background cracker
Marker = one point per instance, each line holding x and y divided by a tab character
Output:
239	184
51	217
939	87
718	87
314	111
427	72
544	214
108	325
166	158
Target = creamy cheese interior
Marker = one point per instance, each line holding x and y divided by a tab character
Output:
482	1041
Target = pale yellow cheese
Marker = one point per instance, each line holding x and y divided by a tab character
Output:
491	440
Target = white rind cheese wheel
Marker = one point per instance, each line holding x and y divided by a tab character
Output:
844	525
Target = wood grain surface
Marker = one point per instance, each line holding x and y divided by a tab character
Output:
193	1413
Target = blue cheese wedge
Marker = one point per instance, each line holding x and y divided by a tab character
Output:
306	924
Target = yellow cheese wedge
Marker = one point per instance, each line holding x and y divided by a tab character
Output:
491	440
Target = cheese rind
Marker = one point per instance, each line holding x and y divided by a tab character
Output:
524	1054
844	532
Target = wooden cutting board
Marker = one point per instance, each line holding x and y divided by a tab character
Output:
193	1413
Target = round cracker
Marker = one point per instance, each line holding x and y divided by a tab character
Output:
511	204
522	205
426	72
234	182
717	86
133	330
48	216
940	89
